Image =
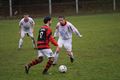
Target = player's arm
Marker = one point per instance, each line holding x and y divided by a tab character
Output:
56	33
75	30
20	23
53	41
32	23
19	29
51	38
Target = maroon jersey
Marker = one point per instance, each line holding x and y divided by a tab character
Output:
44	37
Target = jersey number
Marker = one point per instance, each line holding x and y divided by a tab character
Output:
42	34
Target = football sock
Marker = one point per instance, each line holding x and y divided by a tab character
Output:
34	43
20	43
49	63
34	62
56	55
71	55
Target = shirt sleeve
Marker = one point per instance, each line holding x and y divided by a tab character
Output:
20	23
52	40
56	33
32	21
74	29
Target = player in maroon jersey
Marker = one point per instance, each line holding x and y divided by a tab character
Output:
44	37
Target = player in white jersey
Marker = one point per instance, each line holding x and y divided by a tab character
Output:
26	26
64	30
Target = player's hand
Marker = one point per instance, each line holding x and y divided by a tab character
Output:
58	49
33	31
81	35
54	37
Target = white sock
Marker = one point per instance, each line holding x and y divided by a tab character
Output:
20	43
33	42
71	55
56	55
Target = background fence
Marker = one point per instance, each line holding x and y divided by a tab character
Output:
66	7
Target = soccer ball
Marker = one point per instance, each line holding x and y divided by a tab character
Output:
62	68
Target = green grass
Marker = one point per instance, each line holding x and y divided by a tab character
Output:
97	54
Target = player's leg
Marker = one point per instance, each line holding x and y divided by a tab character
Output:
49	54
33	40
48	65
68	47
56	54
34	62
70	54
21	39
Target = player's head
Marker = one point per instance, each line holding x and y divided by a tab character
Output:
47	20
26	17
62	20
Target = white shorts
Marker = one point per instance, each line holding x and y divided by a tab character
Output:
45	52
23	33
66	43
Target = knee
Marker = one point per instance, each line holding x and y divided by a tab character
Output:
69	52
40	59
21	40
51	58
32	38
58	50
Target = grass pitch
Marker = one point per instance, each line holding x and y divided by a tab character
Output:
97	54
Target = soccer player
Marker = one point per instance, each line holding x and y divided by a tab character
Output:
44	37
64	30
26	27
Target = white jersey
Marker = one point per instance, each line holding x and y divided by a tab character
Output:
65	32
27	26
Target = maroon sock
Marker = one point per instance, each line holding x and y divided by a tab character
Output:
34	62
49	63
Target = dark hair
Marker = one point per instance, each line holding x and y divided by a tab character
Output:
61	17
25	14
46	19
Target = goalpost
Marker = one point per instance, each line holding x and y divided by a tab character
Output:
114	5
10	7
50	7
77	8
